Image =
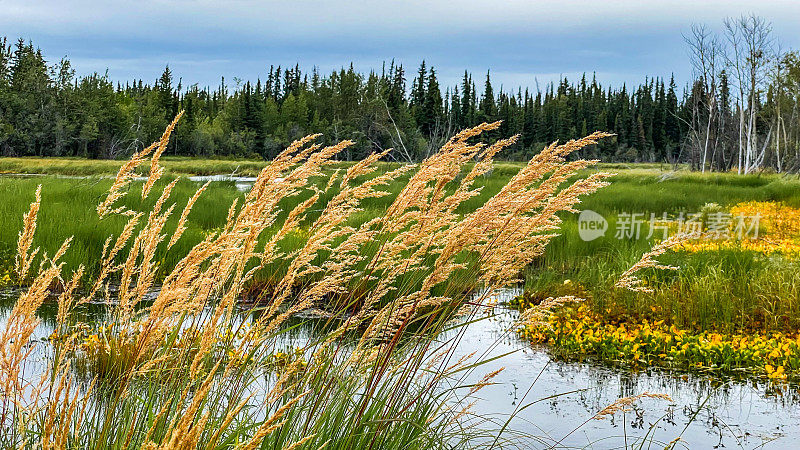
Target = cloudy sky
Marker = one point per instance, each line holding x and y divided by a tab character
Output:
521	42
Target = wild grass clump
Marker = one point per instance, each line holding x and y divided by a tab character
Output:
178	368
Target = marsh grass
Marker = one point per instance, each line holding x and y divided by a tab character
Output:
175	366
173	165
744	288
68	211
726	290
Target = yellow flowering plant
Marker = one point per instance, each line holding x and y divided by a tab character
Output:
577	332
776	230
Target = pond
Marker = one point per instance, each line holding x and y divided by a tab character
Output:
555	401
242	184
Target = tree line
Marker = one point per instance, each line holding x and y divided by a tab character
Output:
719	121
45	110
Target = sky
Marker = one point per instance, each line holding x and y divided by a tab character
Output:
522	43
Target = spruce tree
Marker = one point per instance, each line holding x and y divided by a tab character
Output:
418	95
165	94
466	101
432	106
455	109
672	126
488	107
397	91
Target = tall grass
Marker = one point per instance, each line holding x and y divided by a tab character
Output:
68	211
182	367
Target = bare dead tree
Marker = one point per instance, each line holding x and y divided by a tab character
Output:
397	138
750	53
791	83
778	81
124	146
704	51
441	131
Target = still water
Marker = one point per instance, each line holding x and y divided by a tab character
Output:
705	413
555	401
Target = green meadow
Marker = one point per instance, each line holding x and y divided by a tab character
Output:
726	290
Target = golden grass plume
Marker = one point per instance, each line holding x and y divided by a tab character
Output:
393	272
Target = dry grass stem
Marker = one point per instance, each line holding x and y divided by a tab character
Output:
629	280
389	274
624	404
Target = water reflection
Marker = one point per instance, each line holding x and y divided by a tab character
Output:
242	184
555	401
705	413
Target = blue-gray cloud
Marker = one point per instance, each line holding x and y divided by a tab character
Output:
520	41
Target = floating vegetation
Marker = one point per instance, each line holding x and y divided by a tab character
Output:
577	332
